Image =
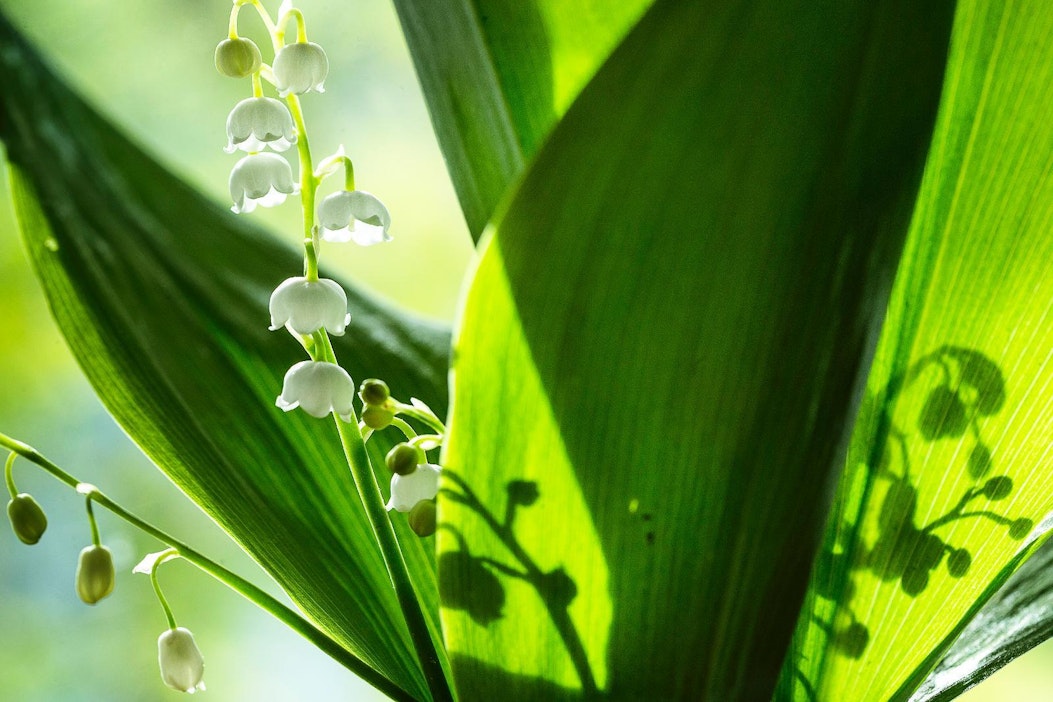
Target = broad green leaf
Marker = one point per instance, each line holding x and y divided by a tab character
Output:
656	360
1017	618
949	466
498	75
163	299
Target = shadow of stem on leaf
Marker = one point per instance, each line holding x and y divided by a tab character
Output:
468	582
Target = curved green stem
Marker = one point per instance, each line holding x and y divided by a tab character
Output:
428	653
419	414
232	32
170	553
404	427
95	540
235	582
9	476
301	25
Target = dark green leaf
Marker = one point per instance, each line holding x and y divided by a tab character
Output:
163	299
498	75
662	340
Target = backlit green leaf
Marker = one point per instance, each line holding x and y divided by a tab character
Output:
1017	618
949	466
656	361
498	75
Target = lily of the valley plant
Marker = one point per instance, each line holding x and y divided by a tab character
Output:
749	394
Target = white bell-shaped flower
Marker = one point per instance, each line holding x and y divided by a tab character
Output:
354	216
408	490
182	666
308	305
258	122
260	179
299	68
318	388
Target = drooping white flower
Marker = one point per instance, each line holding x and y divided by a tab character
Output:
308	305
318	388
260	179
258	122
182	666
354	215
408	490
299	68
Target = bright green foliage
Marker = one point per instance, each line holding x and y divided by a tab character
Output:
498	75
660	344
949	466
163	296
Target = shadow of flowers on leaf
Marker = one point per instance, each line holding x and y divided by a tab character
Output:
956	388
470	583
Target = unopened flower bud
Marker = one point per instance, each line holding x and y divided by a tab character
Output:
377	417
374	391
95	574
182	665
422	518
238	58
27	518
299	68
404	459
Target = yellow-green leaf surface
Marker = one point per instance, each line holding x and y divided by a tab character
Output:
950	464
163	299
498	75
655	366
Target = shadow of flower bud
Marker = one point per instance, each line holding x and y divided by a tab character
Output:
1020	528
998	488
979	461
898	507
958	562
943	415
466	584
852	640
558	588
523	492
914	581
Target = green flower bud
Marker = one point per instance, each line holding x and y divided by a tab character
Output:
374	391
422	518
377	417
404	459
27	519
94	574
238	58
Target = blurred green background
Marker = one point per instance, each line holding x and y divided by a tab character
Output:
148	66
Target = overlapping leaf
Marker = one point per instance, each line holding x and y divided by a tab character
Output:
656	360
949	467
498	75
162	297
